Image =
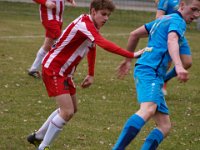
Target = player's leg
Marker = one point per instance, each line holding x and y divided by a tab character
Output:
48	42
66	105
53	31
134	124
148	94
157	135
36	137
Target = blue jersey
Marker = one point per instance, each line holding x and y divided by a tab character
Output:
169	6
156	53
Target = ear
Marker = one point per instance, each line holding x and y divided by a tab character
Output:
92	11
182	5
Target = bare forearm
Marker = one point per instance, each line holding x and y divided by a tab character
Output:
173	48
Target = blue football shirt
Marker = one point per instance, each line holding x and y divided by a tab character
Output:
156	53
169	6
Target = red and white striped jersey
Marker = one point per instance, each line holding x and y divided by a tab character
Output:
79	38
47	14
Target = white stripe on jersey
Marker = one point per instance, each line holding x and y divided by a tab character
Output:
79	25
79	52
60	48
49	14
58	14
82	27
57	11
63	60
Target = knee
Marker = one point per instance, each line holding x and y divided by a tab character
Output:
151	111
67	114
147	112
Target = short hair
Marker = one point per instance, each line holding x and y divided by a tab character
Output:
102	4
189	1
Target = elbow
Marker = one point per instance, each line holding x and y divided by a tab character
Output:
134	36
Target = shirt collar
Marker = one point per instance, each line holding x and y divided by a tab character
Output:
177	12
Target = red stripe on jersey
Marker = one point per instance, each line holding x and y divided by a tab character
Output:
67	51
78	38
91	57
43	13
104	43
51	14
60	41
61	11
40	1
54	13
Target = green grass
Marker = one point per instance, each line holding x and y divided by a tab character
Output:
104	107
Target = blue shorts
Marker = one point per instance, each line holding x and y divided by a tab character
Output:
149	87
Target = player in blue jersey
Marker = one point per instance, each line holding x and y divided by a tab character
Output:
166	35
165	7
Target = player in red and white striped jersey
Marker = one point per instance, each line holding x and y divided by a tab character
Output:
51	16
77	40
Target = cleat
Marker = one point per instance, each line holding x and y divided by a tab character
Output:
32	140
35	74
46	148
164	89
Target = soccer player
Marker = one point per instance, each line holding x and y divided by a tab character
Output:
51	16
165	7
165	35
78	39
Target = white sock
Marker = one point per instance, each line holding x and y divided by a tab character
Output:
38	60
42	131
53	130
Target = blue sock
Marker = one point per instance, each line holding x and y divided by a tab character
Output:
130	130
152	141
170	75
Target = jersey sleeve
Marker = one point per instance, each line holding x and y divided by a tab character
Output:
149	25
162	5
40	1
177	26
95	36
91	57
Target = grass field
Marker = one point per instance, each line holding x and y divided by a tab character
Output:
104	107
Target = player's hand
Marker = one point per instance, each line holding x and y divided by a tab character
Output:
139	53
182	74
124	68
87	81
72	2
50	4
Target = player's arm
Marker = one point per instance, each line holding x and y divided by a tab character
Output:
173	48
72	2
159	13
161	8
133	40
104	43
91	57
48	4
